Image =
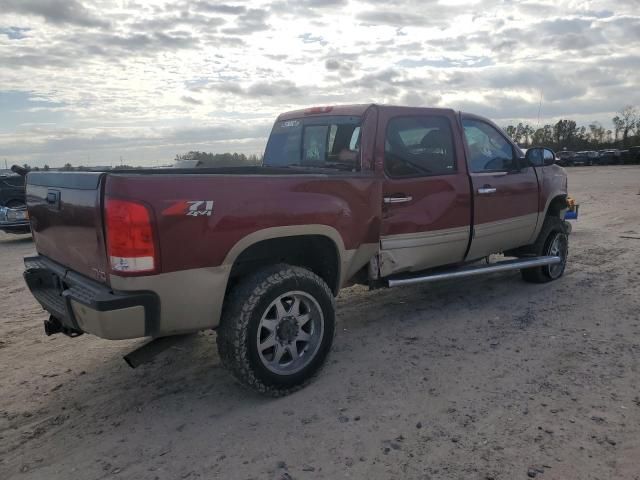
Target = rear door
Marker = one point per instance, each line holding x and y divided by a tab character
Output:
505	191
66	220
426	195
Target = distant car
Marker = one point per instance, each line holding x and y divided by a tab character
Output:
565	158
631	155
12	193
609	157
14	220
586	157
13	207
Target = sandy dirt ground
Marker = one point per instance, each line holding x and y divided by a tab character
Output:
486	378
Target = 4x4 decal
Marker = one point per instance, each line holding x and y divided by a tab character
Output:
191	208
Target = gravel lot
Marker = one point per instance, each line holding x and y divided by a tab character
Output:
486	378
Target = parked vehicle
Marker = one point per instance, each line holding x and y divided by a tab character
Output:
565	158
13	209
587	157
609	157
384	196
14	220
12	191
630	155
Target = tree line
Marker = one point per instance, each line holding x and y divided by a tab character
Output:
625	132
203	159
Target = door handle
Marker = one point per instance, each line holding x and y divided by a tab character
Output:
395	200
487	190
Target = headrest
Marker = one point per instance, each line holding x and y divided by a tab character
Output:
436	138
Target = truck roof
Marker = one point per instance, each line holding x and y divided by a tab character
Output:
356	110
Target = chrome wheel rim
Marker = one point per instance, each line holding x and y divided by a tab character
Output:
290	333
558	248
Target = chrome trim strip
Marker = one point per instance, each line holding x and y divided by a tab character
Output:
395	200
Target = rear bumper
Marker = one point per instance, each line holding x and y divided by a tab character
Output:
83	305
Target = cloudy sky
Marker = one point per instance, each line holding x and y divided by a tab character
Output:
90	81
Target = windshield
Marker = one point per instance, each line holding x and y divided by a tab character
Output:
321	142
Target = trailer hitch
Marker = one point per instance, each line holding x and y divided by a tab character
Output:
53	326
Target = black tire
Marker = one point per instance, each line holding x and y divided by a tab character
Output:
553	230
246	309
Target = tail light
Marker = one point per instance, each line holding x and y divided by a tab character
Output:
130	243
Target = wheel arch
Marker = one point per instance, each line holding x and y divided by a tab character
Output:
556	205
319	248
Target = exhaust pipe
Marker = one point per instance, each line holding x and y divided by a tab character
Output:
471	271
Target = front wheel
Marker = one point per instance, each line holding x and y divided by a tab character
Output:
277	329
552	241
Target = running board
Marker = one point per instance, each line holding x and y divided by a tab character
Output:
471	271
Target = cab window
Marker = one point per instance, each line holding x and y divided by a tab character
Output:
419	146
489	150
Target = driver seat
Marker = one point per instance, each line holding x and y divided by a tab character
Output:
438	152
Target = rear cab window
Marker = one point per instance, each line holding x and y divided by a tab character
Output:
320	142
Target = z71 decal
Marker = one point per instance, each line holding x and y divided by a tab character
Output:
190	208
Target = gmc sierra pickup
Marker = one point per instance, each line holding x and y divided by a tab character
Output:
372	194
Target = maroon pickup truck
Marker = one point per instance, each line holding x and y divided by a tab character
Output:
378	195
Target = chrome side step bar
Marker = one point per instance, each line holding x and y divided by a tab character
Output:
471	271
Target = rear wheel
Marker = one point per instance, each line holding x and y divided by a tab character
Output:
552	241
277	329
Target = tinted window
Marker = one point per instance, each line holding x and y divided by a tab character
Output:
488	149
548	155
315	142
417	146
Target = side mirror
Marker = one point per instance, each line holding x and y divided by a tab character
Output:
540	157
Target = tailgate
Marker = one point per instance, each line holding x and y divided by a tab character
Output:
65	209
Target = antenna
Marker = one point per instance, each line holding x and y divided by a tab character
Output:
539	109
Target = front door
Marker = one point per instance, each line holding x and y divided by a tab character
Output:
427	204
505	191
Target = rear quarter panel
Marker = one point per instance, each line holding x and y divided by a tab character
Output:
245	204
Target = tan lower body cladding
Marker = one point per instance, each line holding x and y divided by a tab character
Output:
412	252
191	300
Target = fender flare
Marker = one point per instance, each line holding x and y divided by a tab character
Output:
282	232
543	214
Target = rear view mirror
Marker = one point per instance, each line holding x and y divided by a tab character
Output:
540	157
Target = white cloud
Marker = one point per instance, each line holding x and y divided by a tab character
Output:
90	81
